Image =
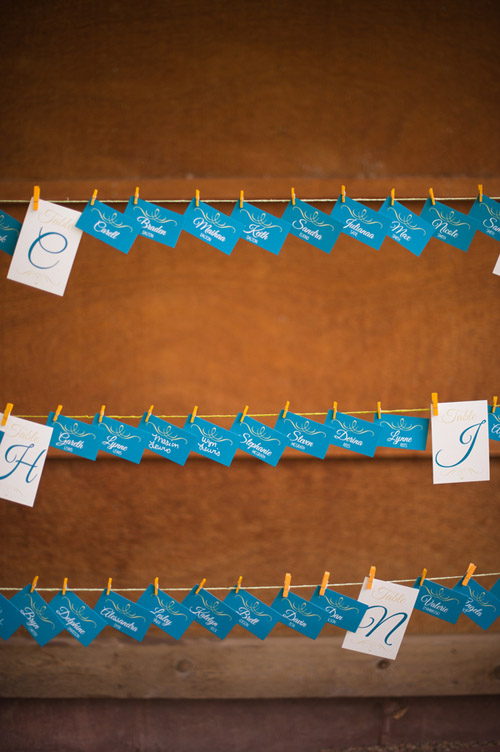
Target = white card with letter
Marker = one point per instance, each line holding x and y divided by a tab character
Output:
23	451
460	445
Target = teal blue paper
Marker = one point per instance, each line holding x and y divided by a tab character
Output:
259	440
402	432
124	615
210	612
79	620
481	606
494	423
300	615
167	440
169	615
155	222
495	589
260	227
407	228
360	222
487	214
106	224
450	225
313	226
305	435
73	436
354	434
9	232
212	441
211	226
439	601
120	439
10	618
38	618
255	616
343	612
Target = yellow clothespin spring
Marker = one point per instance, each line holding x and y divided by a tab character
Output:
244	414
334	410
393	193
286	586
193	414
470	571
36	197
136	195
101	413
286	409
379	410
343	194
371	577
6	413
424	575
494	407
239	583
156	585
65	585
94	196
109	585
431	194
197	194
480	191
149	413
57	412
434	403
201	585
293	196
241	199
324	583
33	584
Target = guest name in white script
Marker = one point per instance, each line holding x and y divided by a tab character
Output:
301	224
102	228
356	227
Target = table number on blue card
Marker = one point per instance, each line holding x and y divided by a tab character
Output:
343	612
494	423
439	601
10	618
299	614
313	226
73	436
104	223
360	222
255	616
402	432
212	441
353	433
487	214
407	228
155	222
172	617
166	439
23	451
120	439
78	618
450	225
259	440
211	226
39	619
210	612
9	232
303	434
260	227
124	615
481	606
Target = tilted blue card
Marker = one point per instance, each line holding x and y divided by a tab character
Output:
212	441
209	225
494	423
343	612
166	439
155	222
73	436
259	227
79	620
402	432
120	439
39	619
360	222
255	616
487	214
259	440
9	232
300	614
481	606
106	224
353	433
210	612
450	225
172	617
123	614
439	601
407	228
10	618
313	226
305	435
495	589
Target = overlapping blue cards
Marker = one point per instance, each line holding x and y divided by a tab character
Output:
343	612
305	435
406	228
313	226
450	225
210	612
360	222
353	433
494	423
73	436
211	226
120	439
212	441
172	617
482	607
124	615
155	222
79	620
402	432
255	616
166	439
487	214
260	227
439	601
259	440
299	614
10	618
106	224
9	232
38	618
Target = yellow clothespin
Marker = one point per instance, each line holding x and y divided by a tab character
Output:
94	196
239	583
6	413
434	403
379	410
241	199
33	584
57	412
343	194
201	585
334	410
136	195
393	193
431	194
197	194
371	577
324	583
480	189
193	414
424	575
293	196
109	585
286	586
244	414
156	585
101	413
36	197
470	571
149	413
494	407
286	409
65	585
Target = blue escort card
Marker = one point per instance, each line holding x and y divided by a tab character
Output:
252	614
343	612
353	433
73	436
155	222
311	225
487	214
212	441
39	619
495	589
9	232
108	225
300	614
304	435
123	614
402	432
166	439
210	612
79	620
174	618
10	618
450	226
493	423
259	440
209	225
407	228
259	227
481	606
439	601
360	222
120	439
